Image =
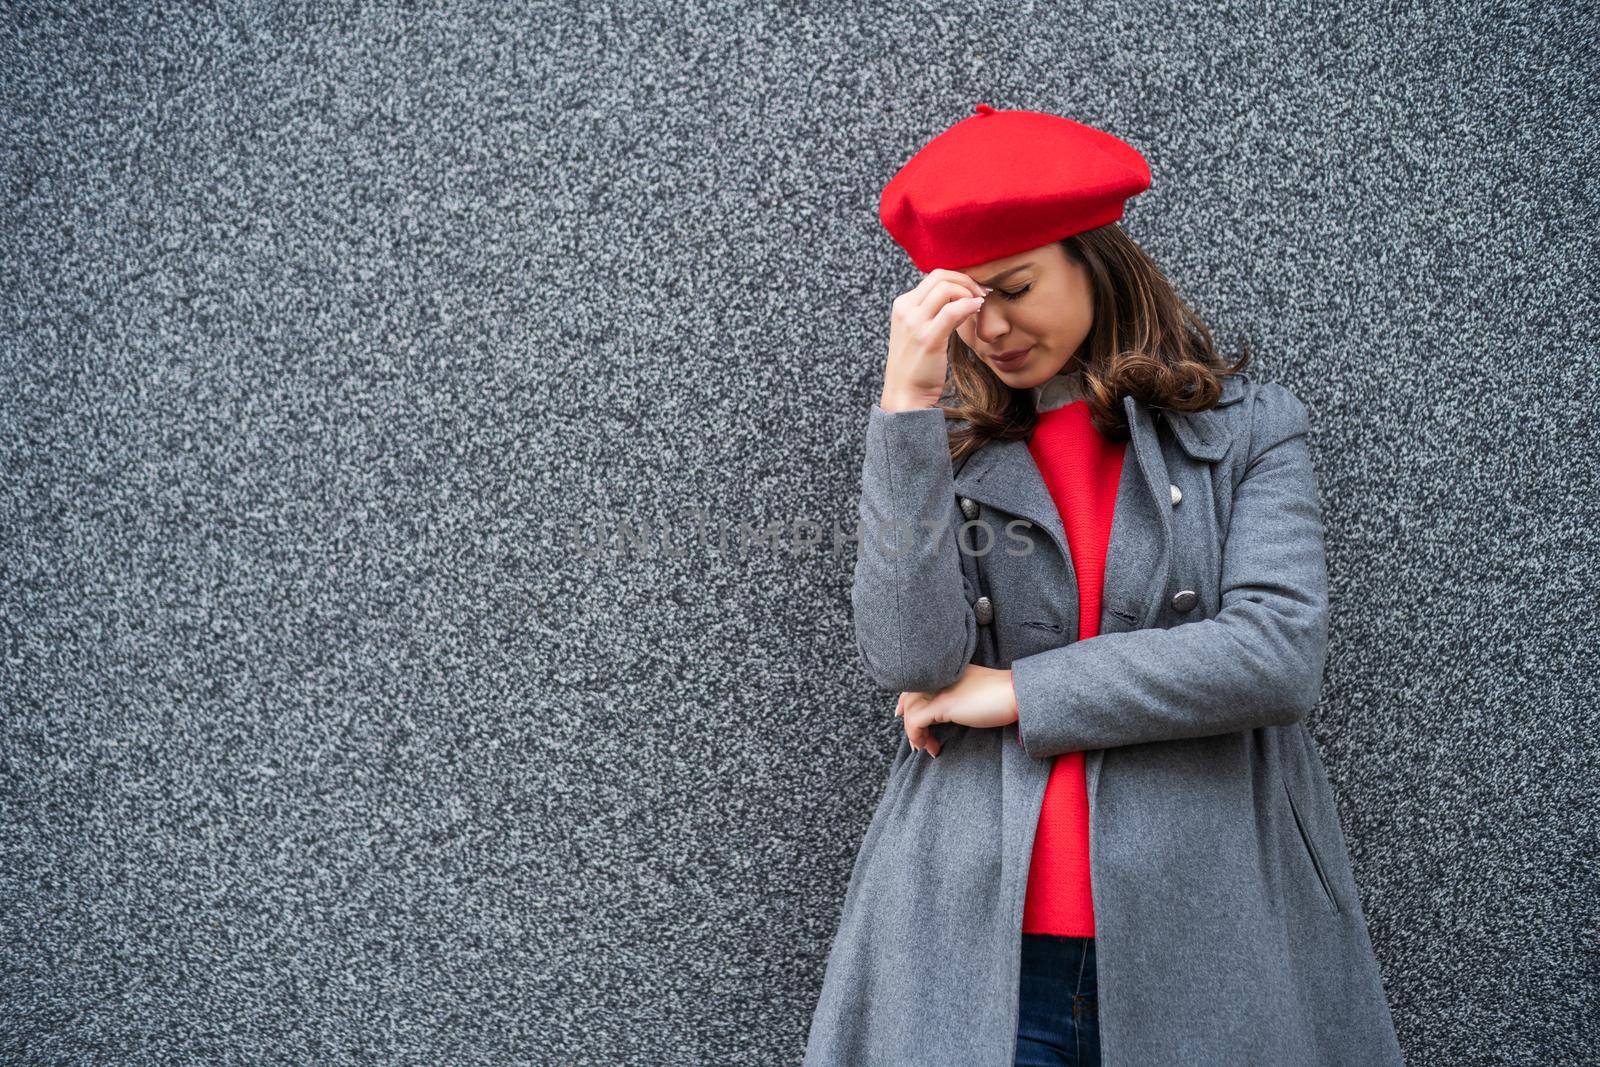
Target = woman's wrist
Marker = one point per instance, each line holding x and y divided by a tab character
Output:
897	400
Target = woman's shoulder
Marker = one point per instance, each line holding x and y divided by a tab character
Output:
1248	417
1276	414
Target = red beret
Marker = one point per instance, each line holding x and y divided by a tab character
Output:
1002	182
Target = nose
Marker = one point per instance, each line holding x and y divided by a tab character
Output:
984	324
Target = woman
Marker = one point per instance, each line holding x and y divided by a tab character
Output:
1091	560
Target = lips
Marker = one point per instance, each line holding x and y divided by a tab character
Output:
1007	359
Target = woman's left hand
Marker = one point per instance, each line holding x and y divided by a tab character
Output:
982	696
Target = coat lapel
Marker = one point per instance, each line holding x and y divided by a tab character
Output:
1139	555
1002	474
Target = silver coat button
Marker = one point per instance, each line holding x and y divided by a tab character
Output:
1185	599
984	609
1177	496
969	507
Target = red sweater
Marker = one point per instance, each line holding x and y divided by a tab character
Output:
1082	470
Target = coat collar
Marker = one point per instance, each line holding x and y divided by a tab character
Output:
1003	475
1057	391
1203	434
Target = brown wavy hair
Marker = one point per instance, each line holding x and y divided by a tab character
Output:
1145	341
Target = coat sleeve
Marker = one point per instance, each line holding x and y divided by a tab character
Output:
1258	662
914	624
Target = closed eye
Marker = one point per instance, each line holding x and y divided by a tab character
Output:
1010	295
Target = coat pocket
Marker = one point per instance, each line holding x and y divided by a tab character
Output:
1310	849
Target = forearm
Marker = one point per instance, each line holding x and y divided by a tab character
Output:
914	625
1248	667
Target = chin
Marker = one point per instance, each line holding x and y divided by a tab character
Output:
1020	376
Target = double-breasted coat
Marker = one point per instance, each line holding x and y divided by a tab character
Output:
1228	927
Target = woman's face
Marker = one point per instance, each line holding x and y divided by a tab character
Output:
1041	306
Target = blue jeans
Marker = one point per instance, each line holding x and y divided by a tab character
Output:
1058	1022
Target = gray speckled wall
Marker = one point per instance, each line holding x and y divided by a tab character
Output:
327	738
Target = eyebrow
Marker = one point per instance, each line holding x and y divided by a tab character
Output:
1004	274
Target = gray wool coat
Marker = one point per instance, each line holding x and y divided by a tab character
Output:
1228	926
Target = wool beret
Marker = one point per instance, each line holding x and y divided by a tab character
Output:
1001	182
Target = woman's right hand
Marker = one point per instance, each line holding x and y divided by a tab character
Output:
919	337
